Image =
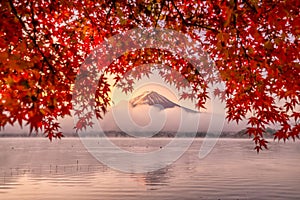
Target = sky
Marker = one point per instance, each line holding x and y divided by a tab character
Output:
147	118
122	116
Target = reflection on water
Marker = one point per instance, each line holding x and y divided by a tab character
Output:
38	169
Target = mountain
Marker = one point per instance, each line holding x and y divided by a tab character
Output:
152	98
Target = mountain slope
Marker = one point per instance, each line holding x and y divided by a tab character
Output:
152	98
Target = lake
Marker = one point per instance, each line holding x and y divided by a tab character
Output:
34	168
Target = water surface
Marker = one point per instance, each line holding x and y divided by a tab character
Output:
34	168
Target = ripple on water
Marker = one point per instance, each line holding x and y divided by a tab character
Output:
59	170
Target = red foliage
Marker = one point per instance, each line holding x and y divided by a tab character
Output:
255	46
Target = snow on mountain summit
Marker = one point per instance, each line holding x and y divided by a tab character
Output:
152	98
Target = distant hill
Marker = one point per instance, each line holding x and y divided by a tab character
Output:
242	134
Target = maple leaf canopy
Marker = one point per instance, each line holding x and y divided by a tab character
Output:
254	45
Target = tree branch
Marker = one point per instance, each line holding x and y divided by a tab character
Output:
250	6
189	23
14	11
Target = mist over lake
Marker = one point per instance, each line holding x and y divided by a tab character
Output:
34	168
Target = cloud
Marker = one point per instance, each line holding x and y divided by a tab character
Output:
148	119
153	119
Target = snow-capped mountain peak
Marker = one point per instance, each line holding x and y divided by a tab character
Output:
152	98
